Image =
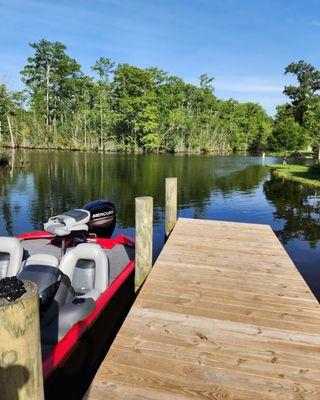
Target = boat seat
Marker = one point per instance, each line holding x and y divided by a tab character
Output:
69	221
42	269
11	254
40	259
87	266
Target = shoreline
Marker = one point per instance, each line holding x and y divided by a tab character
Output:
136	152
6	149
297	173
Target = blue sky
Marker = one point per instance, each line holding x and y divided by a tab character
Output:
244	44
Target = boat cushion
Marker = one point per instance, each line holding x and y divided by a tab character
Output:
11	254
4	262
43	259
70	221
84	276
91	254
46	277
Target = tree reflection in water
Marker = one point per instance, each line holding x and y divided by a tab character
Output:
298	207
233	188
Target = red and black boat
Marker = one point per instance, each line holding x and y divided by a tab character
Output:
85	280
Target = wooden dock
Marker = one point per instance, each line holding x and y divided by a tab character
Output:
224	314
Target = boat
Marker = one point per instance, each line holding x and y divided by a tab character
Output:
85	283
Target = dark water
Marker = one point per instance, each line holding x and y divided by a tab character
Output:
230	188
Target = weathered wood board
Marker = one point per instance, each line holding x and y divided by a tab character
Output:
224	314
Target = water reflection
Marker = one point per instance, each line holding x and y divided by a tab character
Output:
244	181
298	207
51	182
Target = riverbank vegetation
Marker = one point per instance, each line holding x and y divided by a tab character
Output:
123	107
299	173
120	107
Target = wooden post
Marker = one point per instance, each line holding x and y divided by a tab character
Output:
20	348
143	254
171	205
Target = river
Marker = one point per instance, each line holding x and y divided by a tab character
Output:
231	188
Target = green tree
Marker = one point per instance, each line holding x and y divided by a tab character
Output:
312	122
206	83
11	105
134	101
49	77
5	106
287	135
104	67
308	78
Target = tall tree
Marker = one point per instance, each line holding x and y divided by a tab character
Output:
104	67
308	78
4	110
312	122
49	76
135	104
11	104
206	82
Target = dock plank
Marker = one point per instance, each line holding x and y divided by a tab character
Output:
224	314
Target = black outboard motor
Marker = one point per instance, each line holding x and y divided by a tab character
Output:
103	217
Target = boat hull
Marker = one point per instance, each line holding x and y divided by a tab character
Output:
70	366
71	378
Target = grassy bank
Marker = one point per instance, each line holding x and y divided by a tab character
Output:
299	173
303	153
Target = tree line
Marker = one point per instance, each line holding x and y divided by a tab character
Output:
125	108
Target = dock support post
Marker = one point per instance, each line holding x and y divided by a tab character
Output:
171	205
143	254
20	348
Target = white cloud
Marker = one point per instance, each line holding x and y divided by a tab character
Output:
248	85
315	23
267	91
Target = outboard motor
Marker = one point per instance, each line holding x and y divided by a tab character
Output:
102	217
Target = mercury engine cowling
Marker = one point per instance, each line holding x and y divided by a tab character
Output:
102	217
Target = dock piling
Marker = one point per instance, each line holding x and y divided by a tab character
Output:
171	205
143	255
20	349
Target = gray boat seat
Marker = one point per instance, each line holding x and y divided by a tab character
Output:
69	221
87	266
42	259
11	255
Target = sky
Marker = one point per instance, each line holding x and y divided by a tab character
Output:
244	44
